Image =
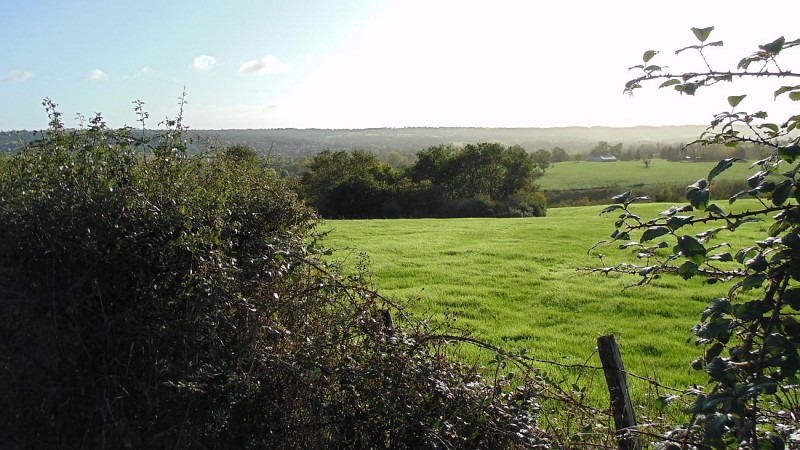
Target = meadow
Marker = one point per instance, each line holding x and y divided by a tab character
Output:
518	283
631	174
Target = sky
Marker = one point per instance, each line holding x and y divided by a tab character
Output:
374	63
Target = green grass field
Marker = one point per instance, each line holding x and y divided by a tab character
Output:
628	174
515	283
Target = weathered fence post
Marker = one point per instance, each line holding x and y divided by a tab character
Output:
621	405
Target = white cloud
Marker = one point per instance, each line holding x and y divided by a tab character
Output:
96	75
203	63
143	72
17	75
267	65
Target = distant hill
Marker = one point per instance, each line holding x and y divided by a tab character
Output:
297	142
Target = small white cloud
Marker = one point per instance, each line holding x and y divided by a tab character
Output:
143	72
267	65
17	75
96	75
203	63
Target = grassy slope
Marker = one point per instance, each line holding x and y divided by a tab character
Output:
627	174
514	282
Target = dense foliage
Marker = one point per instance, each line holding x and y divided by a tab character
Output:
478	180
750	338
156	299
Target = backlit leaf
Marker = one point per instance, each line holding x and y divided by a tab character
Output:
702	33
734	100
723	165
775	46
785	89
669	83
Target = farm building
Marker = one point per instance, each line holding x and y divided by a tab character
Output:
607	157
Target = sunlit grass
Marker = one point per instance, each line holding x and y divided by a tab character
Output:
516	283
628	174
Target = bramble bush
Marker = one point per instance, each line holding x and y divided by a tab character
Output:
750	338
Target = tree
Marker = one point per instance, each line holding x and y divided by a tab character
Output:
543	159
647	160
750	338
484	179
241	153
603	148
343	184
559	154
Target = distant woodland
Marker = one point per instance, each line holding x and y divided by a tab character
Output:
436	172
407	141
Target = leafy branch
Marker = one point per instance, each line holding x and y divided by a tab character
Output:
750	338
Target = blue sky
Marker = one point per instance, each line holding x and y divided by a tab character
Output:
367	63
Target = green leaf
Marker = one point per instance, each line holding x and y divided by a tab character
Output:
772	441
734	100
791	240
702	33
753	281
691	249
664	400
722	257
610	209
794	270
785	89
756	179
687	88
697	194
654	232
671	82
687	270
718	307
789	152
775	46
714	210
781	192
648	55
791	297
621	198
795	96
770	126
757	263
723	165
751	310
676	222
720	370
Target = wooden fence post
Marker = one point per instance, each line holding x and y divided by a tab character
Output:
621	405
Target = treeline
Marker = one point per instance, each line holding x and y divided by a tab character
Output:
674	152
477	180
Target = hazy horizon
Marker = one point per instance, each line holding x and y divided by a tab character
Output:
364	64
